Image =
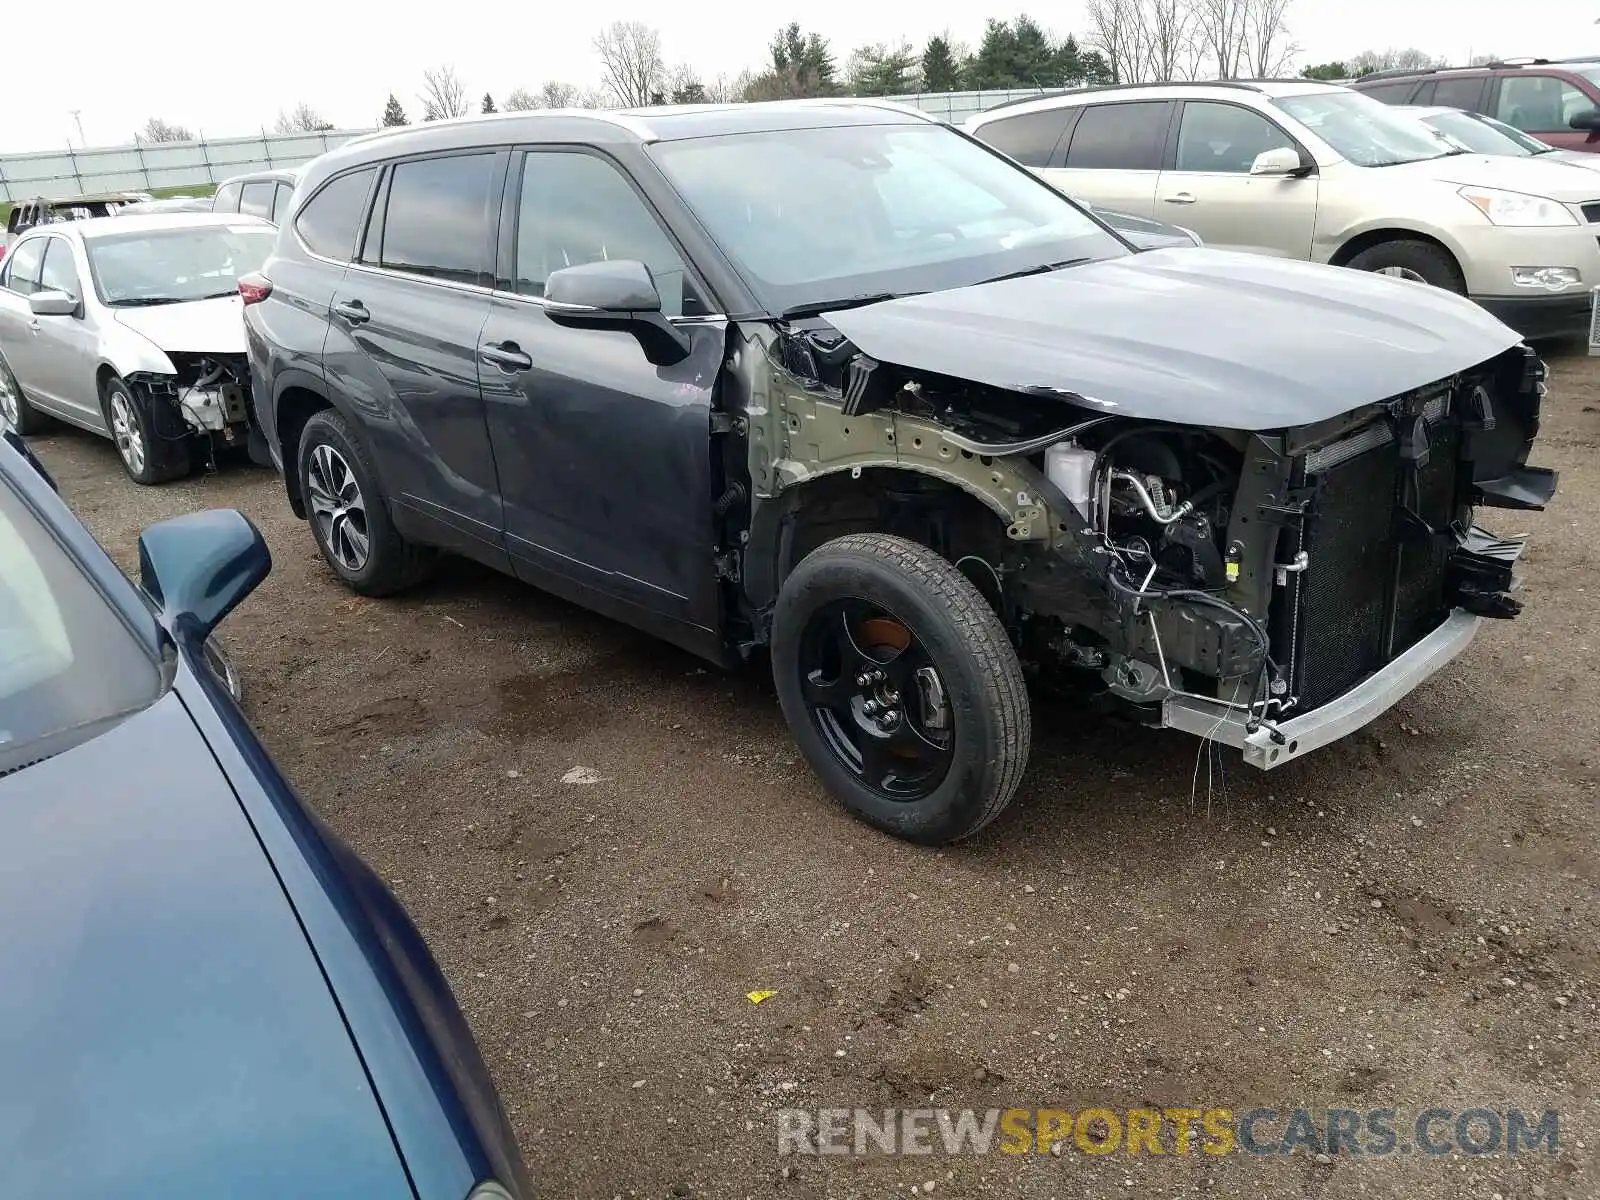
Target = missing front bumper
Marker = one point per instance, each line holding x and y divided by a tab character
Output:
1272	745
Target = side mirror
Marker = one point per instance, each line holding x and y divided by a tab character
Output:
1589	121
196	568
1282	161
53	304
616	294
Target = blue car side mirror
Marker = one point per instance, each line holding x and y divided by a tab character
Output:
196	568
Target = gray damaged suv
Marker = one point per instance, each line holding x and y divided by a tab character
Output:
841	384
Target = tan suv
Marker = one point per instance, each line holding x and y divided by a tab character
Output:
1319	172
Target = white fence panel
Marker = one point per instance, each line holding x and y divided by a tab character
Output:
150	165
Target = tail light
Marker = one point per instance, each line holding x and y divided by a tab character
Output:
254	288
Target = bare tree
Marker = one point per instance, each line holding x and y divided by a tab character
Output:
631	65
1409	59
301	119
1170	31
1224	29
1117	30
157	130
1268	50
723	90
442	94
521	100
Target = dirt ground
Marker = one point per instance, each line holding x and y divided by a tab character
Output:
1405	920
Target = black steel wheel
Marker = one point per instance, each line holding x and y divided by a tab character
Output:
901	687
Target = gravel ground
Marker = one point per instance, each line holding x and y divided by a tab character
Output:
608	846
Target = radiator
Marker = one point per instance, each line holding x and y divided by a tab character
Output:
1374	584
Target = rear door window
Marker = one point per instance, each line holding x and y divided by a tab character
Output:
1030	138
280	202
256	199
329	222
1120	137
435	219
1457	93
1391	93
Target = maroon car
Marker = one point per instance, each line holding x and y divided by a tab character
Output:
1556	101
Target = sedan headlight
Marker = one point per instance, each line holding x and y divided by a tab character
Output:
1517	209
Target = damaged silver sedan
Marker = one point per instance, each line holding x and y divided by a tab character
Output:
130	327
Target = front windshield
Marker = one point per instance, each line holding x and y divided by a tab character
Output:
1365	131
170	266
1526	140
816	215
69	667
1473	134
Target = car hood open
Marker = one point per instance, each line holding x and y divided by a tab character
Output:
213	326
168	1030
1200	337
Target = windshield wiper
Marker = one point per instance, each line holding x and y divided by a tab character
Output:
816	308
145	301
1041	269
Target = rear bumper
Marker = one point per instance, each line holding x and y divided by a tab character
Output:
1537	317
1274	745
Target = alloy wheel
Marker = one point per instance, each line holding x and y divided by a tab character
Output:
10	408
338	507
1403	273
877	699
126	433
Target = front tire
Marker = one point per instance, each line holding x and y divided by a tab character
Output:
1420	262
153	446
900	687
14	407
349	513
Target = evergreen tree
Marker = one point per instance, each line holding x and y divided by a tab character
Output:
393	114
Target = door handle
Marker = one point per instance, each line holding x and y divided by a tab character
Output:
33	325
508	356
1179	198
352	311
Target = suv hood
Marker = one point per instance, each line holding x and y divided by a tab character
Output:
1535	176
167	1028
1199	337
213	326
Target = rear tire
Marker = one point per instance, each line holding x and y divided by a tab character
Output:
1421	262
14	407
889	611
349	514
154	446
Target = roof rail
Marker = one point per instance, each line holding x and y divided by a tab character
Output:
1248	85
1398	72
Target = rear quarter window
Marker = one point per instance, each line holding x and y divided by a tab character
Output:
1029	138
329	222
227	199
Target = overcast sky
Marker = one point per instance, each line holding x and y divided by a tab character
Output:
222	67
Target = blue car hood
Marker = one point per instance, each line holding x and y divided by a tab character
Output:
1195	337
165	1029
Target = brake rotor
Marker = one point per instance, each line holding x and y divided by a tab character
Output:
883	633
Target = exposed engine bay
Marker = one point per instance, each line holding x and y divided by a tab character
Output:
210	392
1225	581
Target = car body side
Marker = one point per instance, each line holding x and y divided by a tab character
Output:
416	1055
